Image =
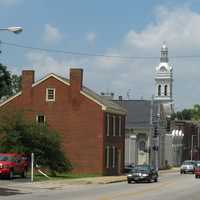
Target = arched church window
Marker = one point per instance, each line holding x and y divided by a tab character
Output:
159	90
165	90
142	145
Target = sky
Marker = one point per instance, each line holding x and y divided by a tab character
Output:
127	28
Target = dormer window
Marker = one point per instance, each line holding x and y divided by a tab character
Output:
50	94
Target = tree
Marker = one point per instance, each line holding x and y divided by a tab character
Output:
188	114
9	83
5	82
21	136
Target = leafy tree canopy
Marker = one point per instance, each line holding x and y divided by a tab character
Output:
188	114
9	83
18	135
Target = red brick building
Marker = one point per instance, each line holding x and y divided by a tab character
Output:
92	128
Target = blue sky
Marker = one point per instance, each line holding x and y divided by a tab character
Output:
109	27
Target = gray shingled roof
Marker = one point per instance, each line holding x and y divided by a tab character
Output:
110	105
138	112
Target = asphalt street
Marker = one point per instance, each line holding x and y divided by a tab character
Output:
171	186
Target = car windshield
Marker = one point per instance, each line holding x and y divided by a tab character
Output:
141	168
188	162
6	158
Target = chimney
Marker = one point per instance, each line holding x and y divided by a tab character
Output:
27	81
76	79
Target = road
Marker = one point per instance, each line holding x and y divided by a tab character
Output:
171	186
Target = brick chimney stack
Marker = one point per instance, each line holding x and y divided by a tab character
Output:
27	81
76	83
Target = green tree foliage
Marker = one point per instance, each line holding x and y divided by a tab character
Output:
188	114
18	135
5	82
196	112
9	83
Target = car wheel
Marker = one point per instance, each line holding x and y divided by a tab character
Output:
196	176
155	180
149	180
11	175
129	181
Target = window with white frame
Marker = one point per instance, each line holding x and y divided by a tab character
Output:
113	160
114	126
120	125
40	119
50	94
107	156
108	125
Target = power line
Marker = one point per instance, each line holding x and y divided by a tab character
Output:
75	53
92	55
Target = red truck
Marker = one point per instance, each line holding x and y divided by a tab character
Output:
13	163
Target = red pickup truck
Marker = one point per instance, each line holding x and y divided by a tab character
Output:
13	163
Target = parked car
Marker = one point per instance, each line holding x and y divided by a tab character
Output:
187	166
128	168
197	171
197	163
13	163
142	173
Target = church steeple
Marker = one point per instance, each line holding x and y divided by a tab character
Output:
164	78
164	53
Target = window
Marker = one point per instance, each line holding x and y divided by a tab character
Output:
165	90
142	146
114	125
159	90
108	125
113	160
117	125
40	118
50	94
120	125
107	157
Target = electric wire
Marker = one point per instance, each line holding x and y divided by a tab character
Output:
90	54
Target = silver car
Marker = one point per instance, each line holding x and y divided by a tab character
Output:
188	166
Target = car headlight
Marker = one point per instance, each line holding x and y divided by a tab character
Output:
6	166
144	175
129	175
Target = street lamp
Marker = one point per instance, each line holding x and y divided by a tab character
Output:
14	29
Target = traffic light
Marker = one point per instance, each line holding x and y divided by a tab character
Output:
155	131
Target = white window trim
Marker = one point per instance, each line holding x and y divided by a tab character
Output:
114	125
113	164
40	115
54	94
108	125
107	157
120	125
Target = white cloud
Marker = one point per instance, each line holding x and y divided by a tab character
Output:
51	34
91	37
9	2
180	28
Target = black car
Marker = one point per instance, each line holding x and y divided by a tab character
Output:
142	173
128	168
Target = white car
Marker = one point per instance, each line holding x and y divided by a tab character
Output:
188	166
